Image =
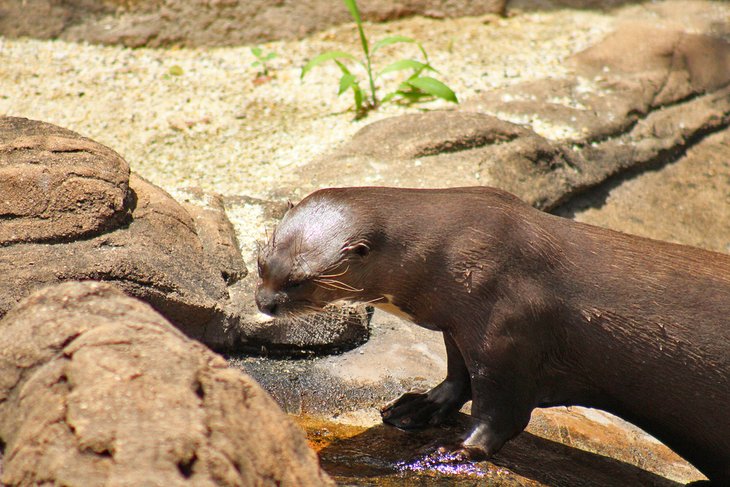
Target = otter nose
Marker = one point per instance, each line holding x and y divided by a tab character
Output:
267	301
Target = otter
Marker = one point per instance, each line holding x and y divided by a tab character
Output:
535	310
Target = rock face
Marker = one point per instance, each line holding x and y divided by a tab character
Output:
207	22
98	389
641	96
71	212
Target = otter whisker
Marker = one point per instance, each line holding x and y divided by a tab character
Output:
339	274
334	267
334	283
321	285
374	300
328	286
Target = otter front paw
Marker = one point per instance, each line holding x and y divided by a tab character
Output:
420	409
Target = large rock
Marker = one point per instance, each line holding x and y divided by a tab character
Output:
57	185
443	149
98	389
216	232
640	97
207	22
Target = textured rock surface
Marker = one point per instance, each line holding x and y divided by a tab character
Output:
207	23
686	202
157	257
216	232
443	149
98	389
70	211
57	185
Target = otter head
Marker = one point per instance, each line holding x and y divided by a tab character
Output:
316	255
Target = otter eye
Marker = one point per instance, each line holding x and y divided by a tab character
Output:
360	249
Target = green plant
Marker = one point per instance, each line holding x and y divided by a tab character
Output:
414	88
262	60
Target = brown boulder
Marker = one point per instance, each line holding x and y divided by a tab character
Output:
629	75
71	212
215	231
447	149
98	389
57	185
671	65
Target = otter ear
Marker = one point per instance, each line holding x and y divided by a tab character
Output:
289	205
360	248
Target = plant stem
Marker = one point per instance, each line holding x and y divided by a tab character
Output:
372	82
355	11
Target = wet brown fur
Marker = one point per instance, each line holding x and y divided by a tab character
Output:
536	310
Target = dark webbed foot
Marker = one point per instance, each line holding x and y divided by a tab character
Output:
420	409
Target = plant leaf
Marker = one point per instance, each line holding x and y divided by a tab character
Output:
347	81
389	96
433	87
406	64
357	92
326	56
392	40
270	56
256	51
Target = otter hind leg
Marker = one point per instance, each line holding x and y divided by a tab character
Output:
419	409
